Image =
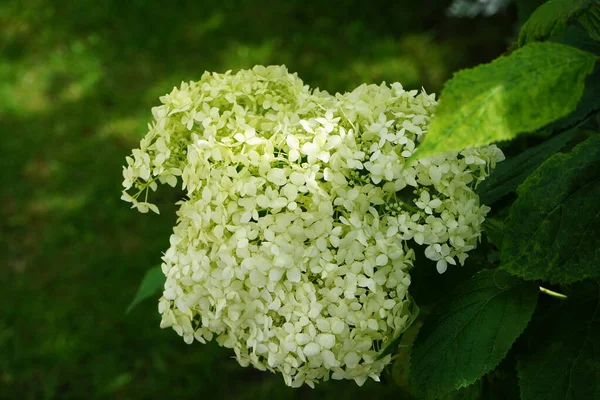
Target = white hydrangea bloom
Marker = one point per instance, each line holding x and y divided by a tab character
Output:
293	245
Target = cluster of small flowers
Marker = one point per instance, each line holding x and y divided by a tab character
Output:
292	246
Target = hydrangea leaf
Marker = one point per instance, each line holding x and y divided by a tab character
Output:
553	229
473	392
510	173
552	17
153	282
587	107
515	94
471	332
563	361
576	36
591	21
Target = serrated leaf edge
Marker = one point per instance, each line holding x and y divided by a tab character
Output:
493	366
529	275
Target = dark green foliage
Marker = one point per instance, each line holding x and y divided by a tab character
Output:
429	286
512	172
577	36
470	332
512	95
552	17
472	392
591	21
503	382
553	229
494	229
563	361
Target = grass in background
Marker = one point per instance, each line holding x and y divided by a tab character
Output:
77	81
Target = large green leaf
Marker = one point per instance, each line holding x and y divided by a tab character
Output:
470	332
563	361
553	229
153	282
519	93
512	172
552	17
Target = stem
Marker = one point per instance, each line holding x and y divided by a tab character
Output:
552	293
144	187
409	207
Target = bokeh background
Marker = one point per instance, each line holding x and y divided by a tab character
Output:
77	81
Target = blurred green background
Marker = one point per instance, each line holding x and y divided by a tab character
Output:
77	81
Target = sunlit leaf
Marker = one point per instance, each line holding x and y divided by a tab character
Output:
516	94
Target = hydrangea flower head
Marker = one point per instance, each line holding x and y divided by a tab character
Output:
294	242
